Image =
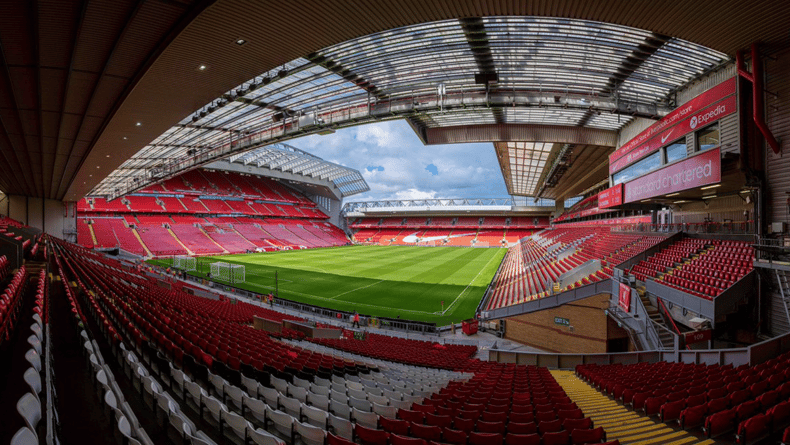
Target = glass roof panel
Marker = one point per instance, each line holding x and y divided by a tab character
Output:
398	73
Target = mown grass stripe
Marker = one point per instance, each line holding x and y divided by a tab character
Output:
404	282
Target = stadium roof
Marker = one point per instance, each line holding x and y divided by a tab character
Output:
286	158
440	76
448	205
77	77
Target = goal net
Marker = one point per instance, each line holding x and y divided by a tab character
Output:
184	262
232	273
481	244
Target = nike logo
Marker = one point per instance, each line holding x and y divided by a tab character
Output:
664	138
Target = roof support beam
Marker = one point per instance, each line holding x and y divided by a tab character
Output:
627	67
347	74
476	36
521	132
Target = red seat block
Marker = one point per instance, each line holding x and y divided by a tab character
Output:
719	423
581	437
671	410
753	429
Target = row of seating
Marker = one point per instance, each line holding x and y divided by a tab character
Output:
751	400
5	267
29	406
11	303
133	310
488	222
701	267
529	271
241	237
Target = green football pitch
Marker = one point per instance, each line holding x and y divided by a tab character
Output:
381	281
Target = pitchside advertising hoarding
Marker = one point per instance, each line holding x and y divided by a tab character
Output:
700	170
708	107
611	197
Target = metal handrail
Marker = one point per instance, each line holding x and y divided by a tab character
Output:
671	320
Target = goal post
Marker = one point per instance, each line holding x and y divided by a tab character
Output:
184	262
231	273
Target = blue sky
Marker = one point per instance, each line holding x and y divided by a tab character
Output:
396	165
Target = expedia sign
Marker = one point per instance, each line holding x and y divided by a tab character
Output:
708	107
710	116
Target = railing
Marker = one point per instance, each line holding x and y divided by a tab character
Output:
603	286
713	309
751	355
638	338
719	228
671	320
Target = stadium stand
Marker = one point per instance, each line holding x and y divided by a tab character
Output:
529	271
463	230
192	355
180	221
704	268
750	401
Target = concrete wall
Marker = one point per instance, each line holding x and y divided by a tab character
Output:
56	218
588	332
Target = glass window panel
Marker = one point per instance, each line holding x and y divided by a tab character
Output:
638	169
708	137
676	150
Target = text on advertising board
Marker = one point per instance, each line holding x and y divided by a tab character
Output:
698	120
611	197
714	94
702	169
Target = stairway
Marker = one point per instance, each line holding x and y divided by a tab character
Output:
224	250
620	423
137	235
191	253
93	235
666	337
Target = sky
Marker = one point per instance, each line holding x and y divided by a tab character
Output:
396	165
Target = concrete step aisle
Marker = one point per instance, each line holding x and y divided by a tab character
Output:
629	427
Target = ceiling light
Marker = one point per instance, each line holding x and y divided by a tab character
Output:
645	200
138	124
108	156
124	138
202	67
709	197
98	166
711	187
679	202
673	194
240	42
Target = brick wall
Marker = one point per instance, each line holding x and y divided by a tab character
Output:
588	330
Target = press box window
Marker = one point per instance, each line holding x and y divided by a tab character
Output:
708	137
676	150
646	165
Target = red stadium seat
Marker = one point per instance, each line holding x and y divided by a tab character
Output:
522	439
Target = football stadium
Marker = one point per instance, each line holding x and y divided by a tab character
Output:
199	243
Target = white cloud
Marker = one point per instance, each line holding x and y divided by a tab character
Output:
414	194
465	170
